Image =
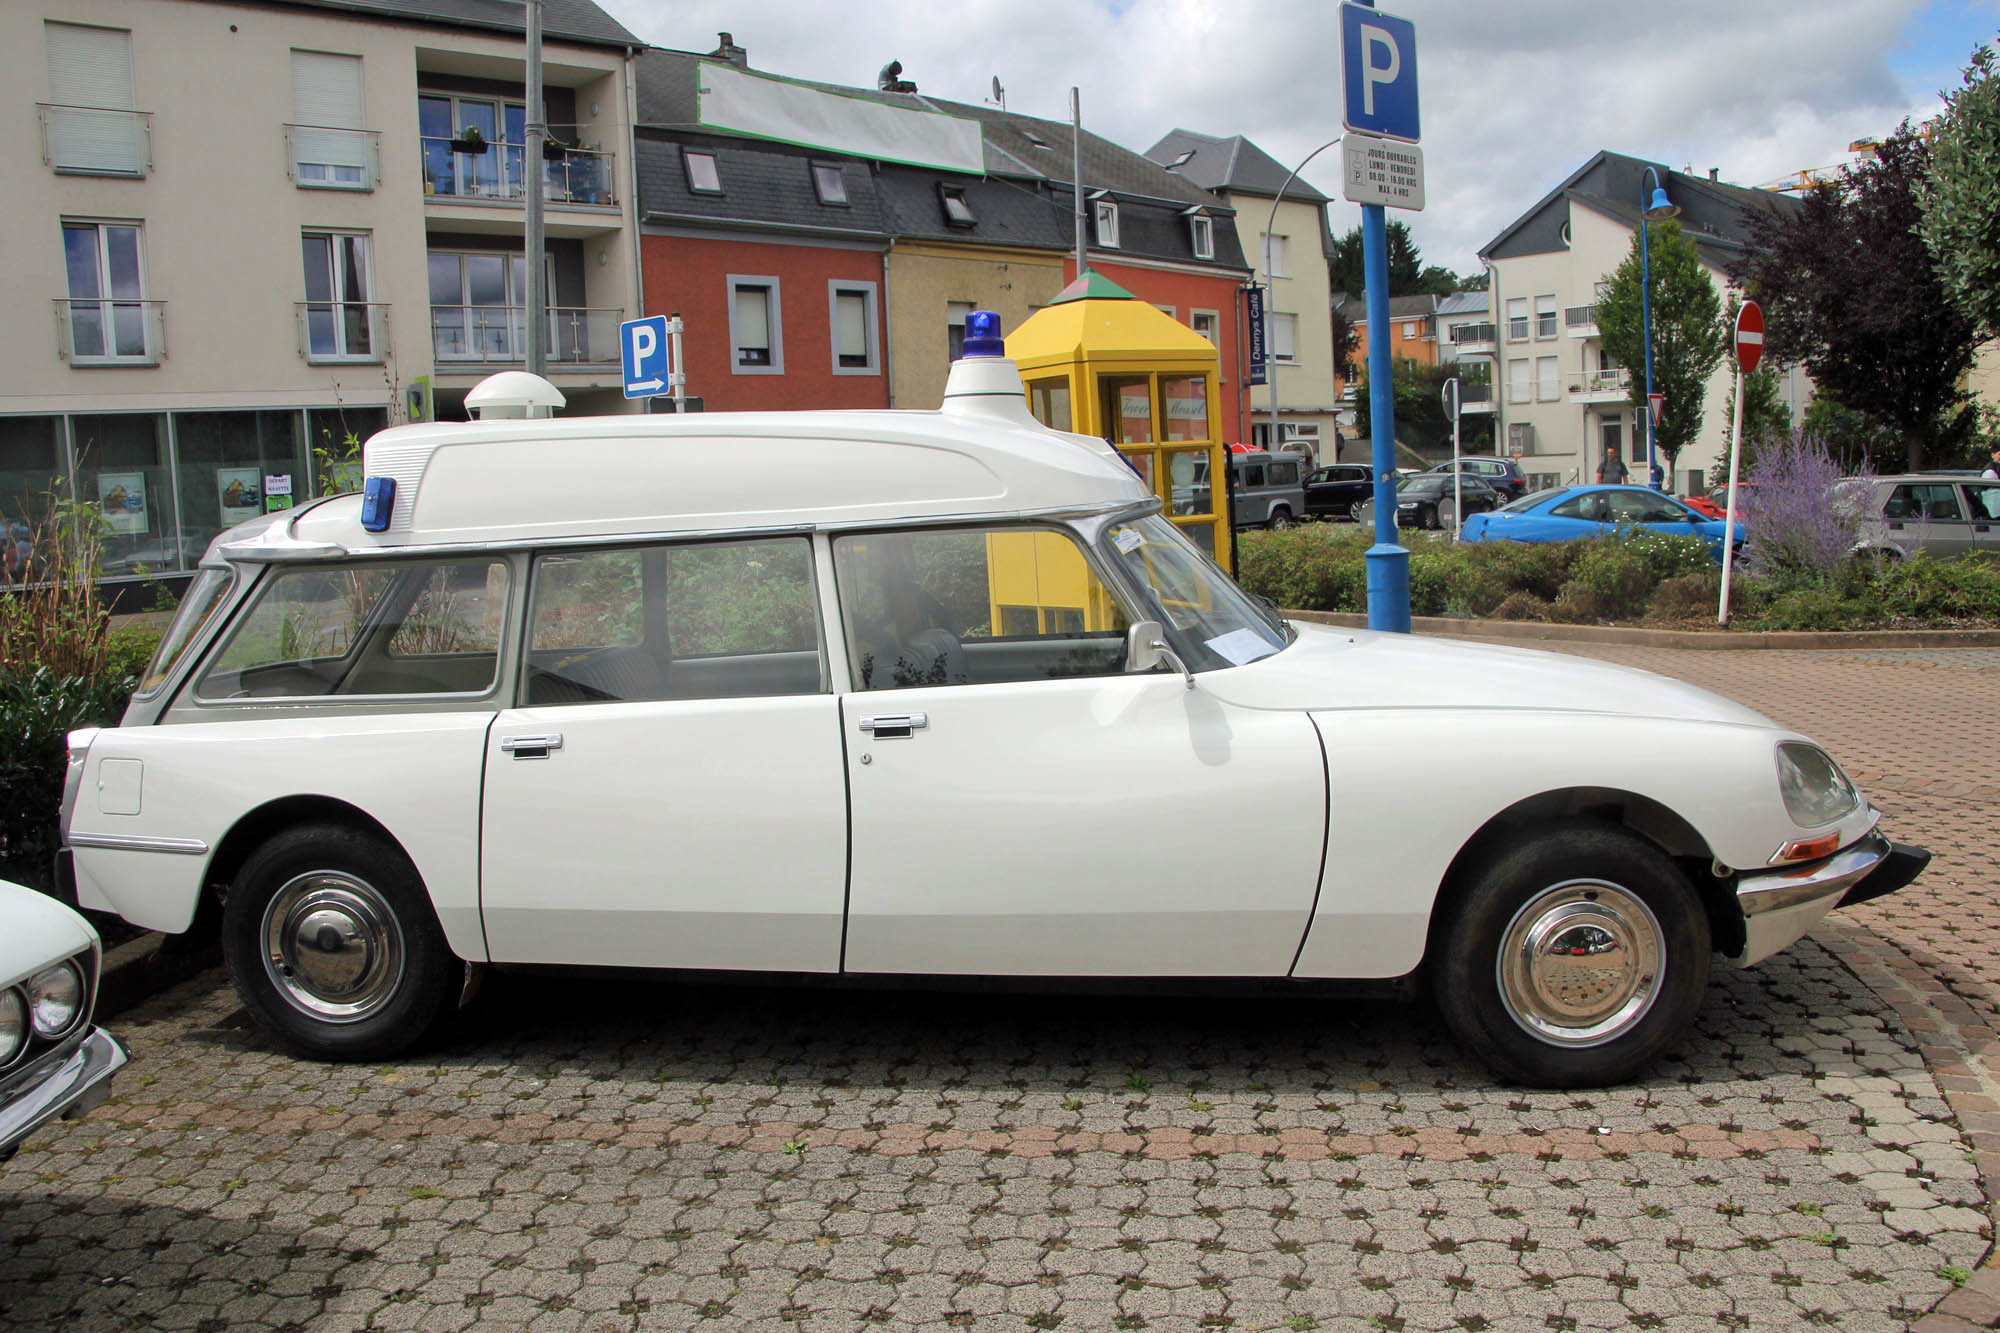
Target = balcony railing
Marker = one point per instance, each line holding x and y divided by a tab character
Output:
111	332
483	334
329	159
1472	333
1601	386
1475	398
501	171
1580	321
96	141
343	331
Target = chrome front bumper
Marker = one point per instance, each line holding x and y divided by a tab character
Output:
77	1083
1779	906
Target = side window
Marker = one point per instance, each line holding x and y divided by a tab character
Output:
1284	474
974	607
709	621
1573	507
1253	474
1941	502
1636	507
374	629
1985	501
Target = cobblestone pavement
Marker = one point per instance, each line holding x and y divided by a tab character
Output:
1820	1153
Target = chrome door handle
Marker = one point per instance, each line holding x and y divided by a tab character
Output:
532	747
895	726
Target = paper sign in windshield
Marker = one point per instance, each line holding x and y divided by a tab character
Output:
1241	646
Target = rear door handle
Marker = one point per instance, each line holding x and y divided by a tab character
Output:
532	747
895	726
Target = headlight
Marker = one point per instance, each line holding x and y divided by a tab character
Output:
55	999
13	1025
1816	791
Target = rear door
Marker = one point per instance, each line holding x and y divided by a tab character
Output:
1928	516
1982	505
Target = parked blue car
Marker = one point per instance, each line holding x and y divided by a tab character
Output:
1570	512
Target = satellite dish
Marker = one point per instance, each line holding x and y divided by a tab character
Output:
999	93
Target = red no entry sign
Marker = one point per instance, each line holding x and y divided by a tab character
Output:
1749	336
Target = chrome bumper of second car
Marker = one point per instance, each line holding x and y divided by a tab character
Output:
77	1083
1781	905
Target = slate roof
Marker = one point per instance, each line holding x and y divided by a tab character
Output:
1461	303
1714	213
1420	306
1231	165
562	20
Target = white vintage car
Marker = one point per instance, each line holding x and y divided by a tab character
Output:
52	1061
933	694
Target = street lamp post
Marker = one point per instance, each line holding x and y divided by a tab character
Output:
1657	208
1271	290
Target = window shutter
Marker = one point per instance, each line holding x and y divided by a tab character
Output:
753	324
326	90
851	320
90	85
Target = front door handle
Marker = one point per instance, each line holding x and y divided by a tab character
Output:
895	726
532	747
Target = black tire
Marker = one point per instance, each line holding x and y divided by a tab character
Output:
374	976
1354	510
1593	887
1427	518
1281	517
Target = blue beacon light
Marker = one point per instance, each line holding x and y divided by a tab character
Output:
378	499
982	334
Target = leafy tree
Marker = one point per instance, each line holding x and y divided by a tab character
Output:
1960	193
1419	408
1856	439
1345	269
1766	418
1408	274
1346	343
1850	291
1689	336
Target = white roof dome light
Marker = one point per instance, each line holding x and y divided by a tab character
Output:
513	395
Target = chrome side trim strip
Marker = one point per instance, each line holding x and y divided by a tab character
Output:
132	842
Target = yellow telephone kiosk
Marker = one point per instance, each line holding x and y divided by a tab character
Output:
1099	361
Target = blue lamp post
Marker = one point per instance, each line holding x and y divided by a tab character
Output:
1656	208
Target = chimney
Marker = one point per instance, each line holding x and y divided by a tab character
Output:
727	49
1715	173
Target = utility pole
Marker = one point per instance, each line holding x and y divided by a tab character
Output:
533	173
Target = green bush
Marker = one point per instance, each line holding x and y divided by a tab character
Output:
1313	567
1964	589
1818	606
1611	577
1537	568
1687	597
129	652
38	709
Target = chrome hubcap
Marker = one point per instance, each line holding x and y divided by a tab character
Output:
1580	963
332	946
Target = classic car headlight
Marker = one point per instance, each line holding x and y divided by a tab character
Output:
13	1025
55	999
1816	791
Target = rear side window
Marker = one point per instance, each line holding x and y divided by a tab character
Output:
1284	474
383	628
208	592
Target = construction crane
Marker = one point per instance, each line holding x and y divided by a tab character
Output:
1799	182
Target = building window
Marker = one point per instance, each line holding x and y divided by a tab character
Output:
1201	233
957	212
1409	330
108	317
1208	323
1545	316
478	305
829	184
330	149
702	176
90	126
1284	338
1274	251
1166	310
1548	384
1517	319
339	322
852	307
1105	212
756	326
1517	380
497	170
954	324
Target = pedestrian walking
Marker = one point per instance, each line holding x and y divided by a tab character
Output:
1611	471
1993	468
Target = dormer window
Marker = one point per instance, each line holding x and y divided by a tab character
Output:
1201	234
957	212
830	185
1105	213
701	173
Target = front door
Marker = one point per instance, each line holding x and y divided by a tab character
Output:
1023	806
668	791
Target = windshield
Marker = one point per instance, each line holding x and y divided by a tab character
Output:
203	596
1531	500
1213	622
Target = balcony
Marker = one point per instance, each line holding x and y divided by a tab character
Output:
343	332
1475	398
111	332
1473	339
1600	386
96	141
332	159
1580	321
500	172
475	336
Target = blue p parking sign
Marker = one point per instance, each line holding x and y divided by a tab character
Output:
1379	66
642	346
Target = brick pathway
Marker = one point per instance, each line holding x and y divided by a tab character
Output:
599	1155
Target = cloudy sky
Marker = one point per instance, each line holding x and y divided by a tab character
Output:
1515	96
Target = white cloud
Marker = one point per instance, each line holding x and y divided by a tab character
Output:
1515	96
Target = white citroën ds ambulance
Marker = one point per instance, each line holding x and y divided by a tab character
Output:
935	694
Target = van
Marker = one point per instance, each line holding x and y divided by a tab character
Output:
1268	490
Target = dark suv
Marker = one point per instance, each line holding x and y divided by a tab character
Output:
1337	490
1502	474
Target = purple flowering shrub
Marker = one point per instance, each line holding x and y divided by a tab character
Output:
1800	514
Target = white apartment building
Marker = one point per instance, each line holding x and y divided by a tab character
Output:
1298	304
240	231
1560	398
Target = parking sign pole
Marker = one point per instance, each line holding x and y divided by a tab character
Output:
1388	564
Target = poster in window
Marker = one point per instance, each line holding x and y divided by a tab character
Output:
277	492
240	491
121	499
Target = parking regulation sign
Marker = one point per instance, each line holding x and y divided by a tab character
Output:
1378	58
642	346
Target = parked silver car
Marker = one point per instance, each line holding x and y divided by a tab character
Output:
1941	514
52	1061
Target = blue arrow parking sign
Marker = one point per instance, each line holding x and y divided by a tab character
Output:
1379	66
642	345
